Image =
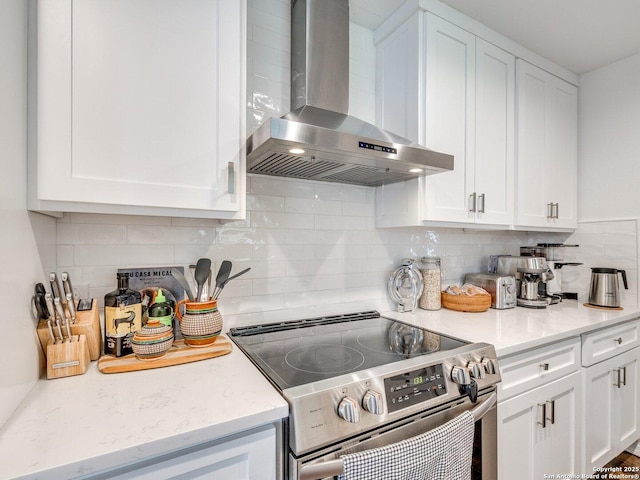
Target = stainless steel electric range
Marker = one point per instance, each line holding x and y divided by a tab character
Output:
360	381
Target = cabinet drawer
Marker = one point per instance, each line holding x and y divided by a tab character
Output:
608	342
527	370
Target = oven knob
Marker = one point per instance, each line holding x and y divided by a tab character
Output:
372	402
349	410
461	375
477	369
490	365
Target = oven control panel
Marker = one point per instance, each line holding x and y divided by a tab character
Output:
416	386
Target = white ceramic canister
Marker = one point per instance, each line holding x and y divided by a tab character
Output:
432	276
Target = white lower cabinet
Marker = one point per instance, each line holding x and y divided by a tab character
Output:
612	407
540	431
250	456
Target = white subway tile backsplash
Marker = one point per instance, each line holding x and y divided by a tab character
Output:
342	223
123	255
281	220
313	205
85	233
151	235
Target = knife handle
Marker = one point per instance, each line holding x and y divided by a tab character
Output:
66	285
63	318
55	287
71	306
52	312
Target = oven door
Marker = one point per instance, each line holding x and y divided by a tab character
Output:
327	463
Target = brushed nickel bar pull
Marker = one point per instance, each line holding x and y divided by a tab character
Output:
618	383
544	415
557	210
624	375
481	197
552	403
549	210
472	199
231	178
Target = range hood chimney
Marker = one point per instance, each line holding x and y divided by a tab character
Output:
318	139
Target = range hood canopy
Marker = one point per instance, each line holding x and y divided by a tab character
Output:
319	140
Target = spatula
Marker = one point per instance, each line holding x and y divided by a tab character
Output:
203	268
222	277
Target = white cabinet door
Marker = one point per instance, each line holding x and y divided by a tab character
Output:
527	448
612	407
450	119
563	140
494	135
140	107
460	99
546	149
246	457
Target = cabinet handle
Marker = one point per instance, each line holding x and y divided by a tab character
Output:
620	382
557	211
544	366
624	375
544	415
231	187
549	210
618	340
481	209
552	403
472	200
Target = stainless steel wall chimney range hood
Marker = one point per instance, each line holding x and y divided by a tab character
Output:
318	140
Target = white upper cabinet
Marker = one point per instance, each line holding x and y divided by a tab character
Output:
547	149
138	107
461	102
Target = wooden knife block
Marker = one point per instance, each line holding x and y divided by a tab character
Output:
87	324
67	358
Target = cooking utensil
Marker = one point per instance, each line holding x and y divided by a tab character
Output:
55	286
53	337
66	285
177	274
222	277
203	268
39	302
604	290
71	306
206	288
52	311
219	291
63	318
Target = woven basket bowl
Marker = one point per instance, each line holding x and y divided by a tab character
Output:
465	303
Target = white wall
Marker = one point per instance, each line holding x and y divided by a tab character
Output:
609	144
20	353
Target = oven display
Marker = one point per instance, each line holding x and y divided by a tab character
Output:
414	387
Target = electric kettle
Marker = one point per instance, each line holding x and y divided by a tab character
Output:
605	289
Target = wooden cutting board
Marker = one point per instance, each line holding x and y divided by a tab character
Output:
177	355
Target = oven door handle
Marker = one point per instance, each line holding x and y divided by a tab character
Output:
333	468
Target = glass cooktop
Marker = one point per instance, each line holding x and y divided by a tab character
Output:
305	351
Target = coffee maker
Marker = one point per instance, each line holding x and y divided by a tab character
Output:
532	276
553	253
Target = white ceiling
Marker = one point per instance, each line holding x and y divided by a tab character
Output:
580	35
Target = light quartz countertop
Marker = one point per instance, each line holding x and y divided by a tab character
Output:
75	426
518	329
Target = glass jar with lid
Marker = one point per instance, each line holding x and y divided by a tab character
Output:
432	275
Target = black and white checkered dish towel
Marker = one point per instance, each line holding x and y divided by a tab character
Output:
443	453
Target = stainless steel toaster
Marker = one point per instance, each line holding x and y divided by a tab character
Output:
501	287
